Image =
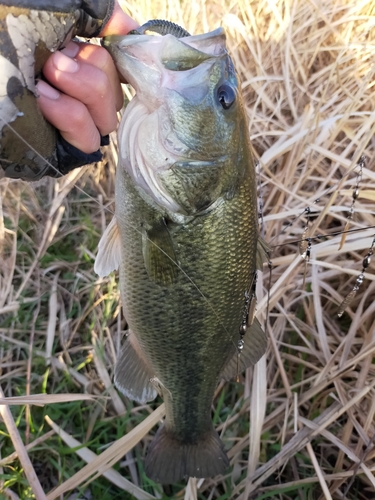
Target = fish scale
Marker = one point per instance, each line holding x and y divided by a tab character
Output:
175	326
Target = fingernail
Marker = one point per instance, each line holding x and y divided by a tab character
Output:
71	50
47	91
64	63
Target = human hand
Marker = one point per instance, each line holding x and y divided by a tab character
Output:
86	91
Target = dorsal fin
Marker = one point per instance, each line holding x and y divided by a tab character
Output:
109	250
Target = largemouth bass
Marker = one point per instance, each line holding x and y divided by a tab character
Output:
185	240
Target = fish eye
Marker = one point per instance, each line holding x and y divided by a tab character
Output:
226	96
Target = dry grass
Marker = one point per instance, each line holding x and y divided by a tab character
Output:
302	424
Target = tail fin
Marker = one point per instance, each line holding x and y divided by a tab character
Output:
168	460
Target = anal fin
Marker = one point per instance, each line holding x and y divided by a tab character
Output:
254	347
132	373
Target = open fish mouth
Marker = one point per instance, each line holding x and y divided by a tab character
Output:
163	52
207	40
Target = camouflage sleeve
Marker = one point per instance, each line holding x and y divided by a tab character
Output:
30	30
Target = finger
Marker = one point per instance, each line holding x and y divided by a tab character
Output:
69	116
119	23
86	83
100	58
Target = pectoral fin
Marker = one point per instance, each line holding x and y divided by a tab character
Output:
196	185
132	373
109	250
255	346
159	255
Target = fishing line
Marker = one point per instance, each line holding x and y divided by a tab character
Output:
307	210
260	197
324	236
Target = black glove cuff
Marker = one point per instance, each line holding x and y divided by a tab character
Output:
101	9
69	157
94	16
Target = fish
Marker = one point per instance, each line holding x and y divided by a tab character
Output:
185	240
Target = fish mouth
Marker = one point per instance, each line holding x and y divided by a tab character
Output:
205	41
146	57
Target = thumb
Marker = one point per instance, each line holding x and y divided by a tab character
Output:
119	23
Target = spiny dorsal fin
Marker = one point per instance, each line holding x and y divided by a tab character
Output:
109	250
263	251
255	346
159	255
